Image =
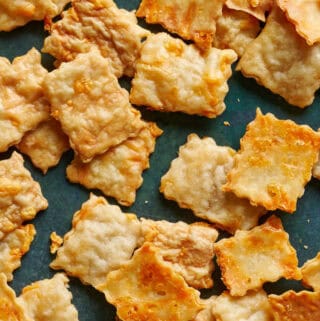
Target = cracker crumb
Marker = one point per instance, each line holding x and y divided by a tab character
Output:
226	123
56	242
305	247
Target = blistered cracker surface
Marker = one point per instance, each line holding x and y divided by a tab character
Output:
311	273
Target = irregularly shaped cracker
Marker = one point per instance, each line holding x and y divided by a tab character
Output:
93	109
251	258
274	163
56	242
147	288
192	20
99	24
20	196
22	104
293	306
160	82
13	246
195	178
283	62
101	239
311	273
118	172
187	248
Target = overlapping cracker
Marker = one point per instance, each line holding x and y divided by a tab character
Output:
293	306
99	24
93	109
274	163
49	300
101	239
195	178
20	196
251	258
283	62
160	82
118	172
146	288
311	273
187	248
192	20
22	103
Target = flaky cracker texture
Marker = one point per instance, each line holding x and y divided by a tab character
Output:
311	273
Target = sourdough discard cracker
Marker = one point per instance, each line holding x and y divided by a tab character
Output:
311	273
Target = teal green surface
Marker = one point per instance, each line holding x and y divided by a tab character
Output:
65	198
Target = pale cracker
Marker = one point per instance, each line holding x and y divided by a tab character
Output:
160	82
206	314
250	258
311	273
195	178
56	242
118	172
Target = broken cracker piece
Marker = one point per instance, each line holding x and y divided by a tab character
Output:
311	273
56	242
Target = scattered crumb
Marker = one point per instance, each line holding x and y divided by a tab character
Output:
226	123
56	242
238	100
306	247
146	202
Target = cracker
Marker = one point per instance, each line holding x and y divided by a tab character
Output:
45	144
101	239
293	306
282	61
251	258
20	196
22	103
191	20
49	300
187	248
13	246
147	288
56	242
206	313
316	166
93	109
99	24
160	82
118	172
195	178
274	163
311	273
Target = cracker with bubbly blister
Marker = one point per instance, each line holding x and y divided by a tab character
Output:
147	288
251	258
99	24
274	163
101	239
93	109
188	248
22	102
118	172
20	196
195	178
282	61
311	273
160	82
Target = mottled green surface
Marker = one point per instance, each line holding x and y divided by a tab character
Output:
64	198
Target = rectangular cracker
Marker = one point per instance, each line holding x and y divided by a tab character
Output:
311	273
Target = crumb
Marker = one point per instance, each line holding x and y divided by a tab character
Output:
226	123
306	247
56	242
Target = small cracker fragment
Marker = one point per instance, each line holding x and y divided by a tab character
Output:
251	258
22	102
118	172
274	162
311	273
316	166
97	24
192	20
102	238
20	196
160	82
93	109
45	144
293	306
56	242
187	248
147	289
282	61
49	300
195	178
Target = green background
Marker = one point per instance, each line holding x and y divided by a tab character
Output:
65	198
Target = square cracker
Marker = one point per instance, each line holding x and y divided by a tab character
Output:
195	178
22	102
93	109
20	196
118	172
99	24
187	248
101	239
146	288
251	258
274	162
282	61
160	82
311	273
